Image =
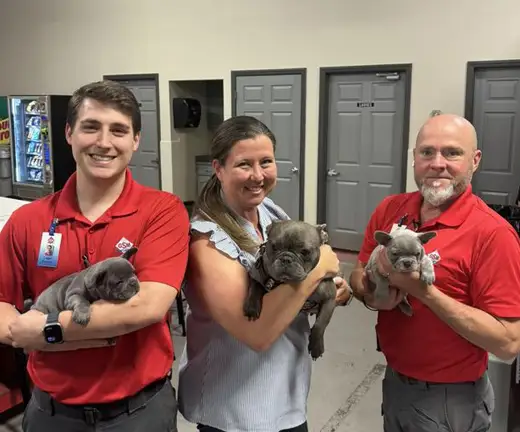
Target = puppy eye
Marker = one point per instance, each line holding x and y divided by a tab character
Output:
305	252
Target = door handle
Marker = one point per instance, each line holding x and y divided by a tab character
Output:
294	170
332	172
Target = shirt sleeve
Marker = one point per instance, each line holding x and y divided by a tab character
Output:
162	255
495	282
369	242
12	265
221	241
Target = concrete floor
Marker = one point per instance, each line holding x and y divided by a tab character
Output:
345	394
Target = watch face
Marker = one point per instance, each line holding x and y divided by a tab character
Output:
53	333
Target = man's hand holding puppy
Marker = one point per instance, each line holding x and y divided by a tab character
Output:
363	289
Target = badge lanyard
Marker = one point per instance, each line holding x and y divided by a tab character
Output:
50	246
401	224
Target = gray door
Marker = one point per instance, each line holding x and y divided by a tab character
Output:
145	164
496	116
364	151
276	100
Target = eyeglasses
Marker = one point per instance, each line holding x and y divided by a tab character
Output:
449	153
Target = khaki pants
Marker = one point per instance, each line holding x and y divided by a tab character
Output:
415	406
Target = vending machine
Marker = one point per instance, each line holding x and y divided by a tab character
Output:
6	186
41	158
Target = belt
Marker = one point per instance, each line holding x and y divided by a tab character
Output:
413	381
94	413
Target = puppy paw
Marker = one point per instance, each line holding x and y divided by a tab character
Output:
251	312
428	277
406	308
81	316
316	346
38	308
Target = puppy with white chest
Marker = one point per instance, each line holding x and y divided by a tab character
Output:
112	279
405	252
291	251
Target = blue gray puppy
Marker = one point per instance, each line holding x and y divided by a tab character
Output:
405	252
291	251
112	279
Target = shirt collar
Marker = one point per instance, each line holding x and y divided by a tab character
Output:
454	215
67	206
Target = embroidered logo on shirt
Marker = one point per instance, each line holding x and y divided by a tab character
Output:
123	245
435	256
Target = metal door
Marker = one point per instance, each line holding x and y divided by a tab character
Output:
496	117
276	100
145	163
364	150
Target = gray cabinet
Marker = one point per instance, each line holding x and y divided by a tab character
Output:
204	171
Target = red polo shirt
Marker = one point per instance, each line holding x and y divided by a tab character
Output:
477	262
154	221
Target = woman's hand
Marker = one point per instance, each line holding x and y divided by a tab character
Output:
327	267
328	263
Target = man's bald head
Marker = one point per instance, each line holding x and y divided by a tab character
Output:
445	158
450	125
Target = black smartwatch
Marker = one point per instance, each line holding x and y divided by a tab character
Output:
52	332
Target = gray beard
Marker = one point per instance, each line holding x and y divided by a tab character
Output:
436	197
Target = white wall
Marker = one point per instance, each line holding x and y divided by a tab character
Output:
55	46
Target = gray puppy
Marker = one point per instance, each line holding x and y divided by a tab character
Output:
112	279
405	252
291	251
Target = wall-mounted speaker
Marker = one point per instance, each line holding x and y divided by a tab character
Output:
186	112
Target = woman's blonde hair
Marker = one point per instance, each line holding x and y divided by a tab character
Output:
210	204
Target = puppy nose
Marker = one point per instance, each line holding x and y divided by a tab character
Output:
285	260
407	264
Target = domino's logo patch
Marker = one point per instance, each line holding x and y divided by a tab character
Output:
435	256
123	245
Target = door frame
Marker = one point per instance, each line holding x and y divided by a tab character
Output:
472	67
144	77
325	74
295	71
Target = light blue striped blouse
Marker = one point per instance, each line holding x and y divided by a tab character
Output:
227	385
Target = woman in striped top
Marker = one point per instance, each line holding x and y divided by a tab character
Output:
236	375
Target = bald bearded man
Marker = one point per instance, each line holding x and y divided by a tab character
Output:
436	376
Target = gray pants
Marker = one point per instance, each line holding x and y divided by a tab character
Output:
152	410
415	406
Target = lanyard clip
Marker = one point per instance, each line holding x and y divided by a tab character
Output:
52	229
401	220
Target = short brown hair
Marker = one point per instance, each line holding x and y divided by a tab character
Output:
109	93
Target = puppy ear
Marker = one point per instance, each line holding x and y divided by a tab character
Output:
382	238
425	237
270	227
94	275
129	253
322	230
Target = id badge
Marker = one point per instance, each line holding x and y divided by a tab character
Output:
49	250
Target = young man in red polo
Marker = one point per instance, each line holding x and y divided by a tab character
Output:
436	375
114	373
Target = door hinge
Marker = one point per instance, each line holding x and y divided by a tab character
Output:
390	76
